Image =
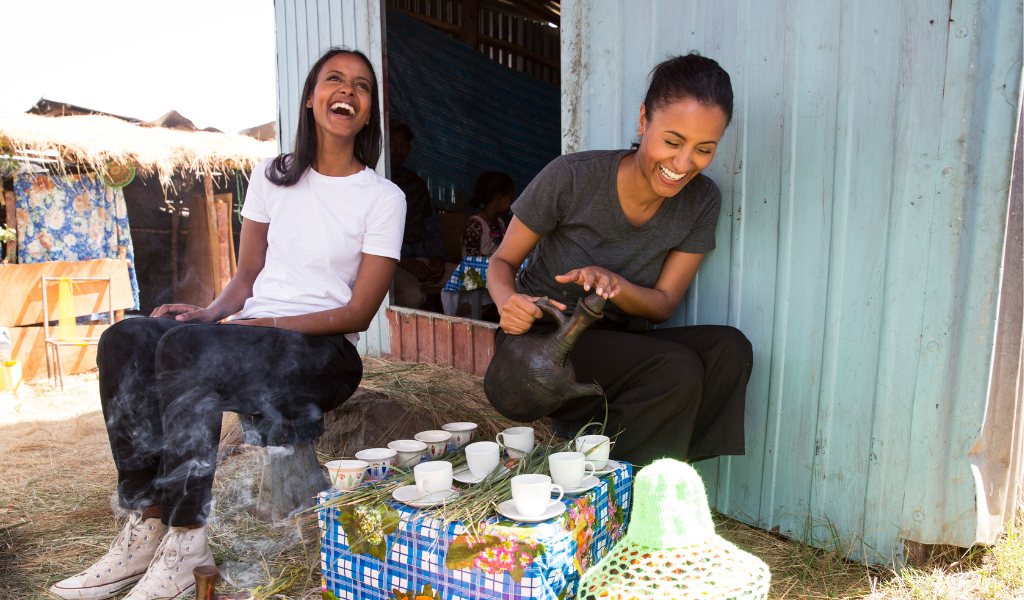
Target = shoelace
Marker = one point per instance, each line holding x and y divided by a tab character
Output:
120	547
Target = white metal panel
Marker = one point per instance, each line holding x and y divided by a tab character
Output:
864	181
305	29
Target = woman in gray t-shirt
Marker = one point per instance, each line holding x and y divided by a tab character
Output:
633	226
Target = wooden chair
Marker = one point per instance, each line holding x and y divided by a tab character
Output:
67	333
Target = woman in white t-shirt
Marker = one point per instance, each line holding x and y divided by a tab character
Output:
320	241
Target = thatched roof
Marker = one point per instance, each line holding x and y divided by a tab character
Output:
94	140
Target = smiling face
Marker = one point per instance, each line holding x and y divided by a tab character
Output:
677	142
342	99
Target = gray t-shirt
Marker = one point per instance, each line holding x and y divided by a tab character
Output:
573	204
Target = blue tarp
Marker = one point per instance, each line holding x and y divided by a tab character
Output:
469	114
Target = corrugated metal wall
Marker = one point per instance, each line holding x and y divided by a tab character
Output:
305	29
865	183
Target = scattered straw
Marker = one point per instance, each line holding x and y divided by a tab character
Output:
95	140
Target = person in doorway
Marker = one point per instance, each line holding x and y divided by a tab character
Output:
485	230
423	255
633	226
320	242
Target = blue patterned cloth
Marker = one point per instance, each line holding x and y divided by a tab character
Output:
74	219
458	282
419	552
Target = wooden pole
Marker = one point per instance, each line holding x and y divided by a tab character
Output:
12	222
211	219
223	242
470	22
175	225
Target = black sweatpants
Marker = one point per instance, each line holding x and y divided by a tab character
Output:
164	386
676	392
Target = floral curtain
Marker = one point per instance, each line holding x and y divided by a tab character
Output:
72	218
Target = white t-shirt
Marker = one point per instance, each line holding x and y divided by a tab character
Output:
319	229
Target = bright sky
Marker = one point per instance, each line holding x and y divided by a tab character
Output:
211	60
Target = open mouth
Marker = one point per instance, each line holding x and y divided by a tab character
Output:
342	108
672	175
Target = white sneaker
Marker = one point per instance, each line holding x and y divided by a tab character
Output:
122	565
170	572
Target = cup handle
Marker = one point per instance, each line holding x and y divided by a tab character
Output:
561	492
498	439
591	466
419	488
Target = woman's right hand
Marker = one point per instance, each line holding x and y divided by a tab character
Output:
186	313
520	311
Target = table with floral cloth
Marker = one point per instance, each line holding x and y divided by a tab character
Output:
403	553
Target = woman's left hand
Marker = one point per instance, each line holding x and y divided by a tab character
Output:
605	283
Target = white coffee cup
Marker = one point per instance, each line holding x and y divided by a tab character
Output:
433	476
517	441
409	452
596	447
482	458
569	468
532	494
436	441
345	474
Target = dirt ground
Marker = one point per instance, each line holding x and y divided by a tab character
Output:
56	515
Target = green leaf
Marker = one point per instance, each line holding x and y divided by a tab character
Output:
390	520
328	595
461	556
517	573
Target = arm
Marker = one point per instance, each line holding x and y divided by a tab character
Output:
518	311
656	305
252	255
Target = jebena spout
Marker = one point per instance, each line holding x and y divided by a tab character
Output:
531	375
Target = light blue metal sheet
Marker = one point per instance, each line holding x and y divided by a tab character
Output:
865	180
305	29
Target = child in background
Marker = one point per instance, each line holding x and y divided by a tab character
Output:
485	230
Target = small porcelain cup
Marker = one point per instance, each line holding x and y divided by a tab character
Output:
596	447
462	433
436	441
569	468
381	460
431	477
517	441
482	458
409	452
532	494
345	474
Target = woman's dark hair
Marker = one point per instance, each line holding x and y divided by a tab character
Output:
692	77
287	169
491	185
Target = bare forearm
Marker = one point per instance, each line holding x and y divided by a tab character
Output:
650	304
232	298
335	321
501	281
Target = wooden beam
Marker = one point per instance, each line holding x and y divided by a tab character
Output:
175	226
470	22
224	242
435	23
12	222
211	219
520	51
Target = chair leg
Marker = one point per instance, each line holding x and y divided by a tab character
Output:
49	370
60	366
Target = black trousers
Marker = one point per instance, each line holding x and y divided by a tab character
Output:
164	386
675	393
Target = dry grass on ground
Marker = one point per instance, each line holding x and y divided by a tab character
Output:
57	479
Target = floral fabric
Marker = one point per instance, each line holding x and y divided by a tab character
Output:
74	219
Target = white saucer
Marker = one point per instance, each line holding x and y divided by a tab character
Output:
508	509
610	466
589	482
464	475
408	494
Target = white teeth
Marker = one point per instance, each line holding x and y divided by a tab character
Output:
671	175
342	106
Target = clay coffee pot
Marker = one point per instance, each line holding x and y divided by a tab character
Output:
531	375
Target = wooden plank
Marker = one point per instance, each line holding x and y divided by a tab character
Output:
483	349
462	347
395	326
225	242
21	300
424	339
12	222
198	284
409	344
470	22
443	342
27	347
212	231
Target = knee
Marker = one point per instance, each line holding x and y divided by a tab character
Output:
683	364
735	348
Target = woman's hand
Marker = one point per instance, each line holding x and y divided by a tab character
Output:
605	283
186	313
519	313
